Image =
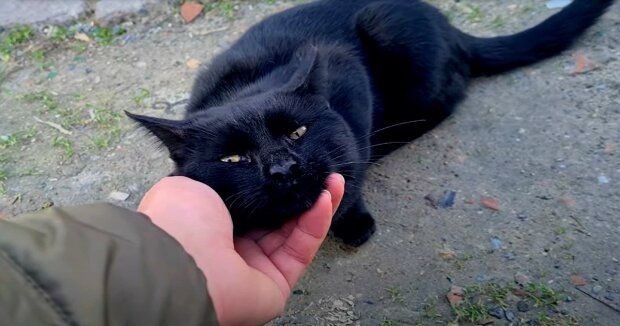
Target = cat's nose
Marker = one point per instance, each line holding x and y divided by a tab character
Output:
284	170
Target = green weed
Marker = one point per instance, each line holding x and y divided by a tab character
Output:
65	144
4	175
105	35
19	137
541	295
141	95
101	142
15	36
395	294
48	99
498	22
471	312
461	260
387	322
103	117
224	7
475	15
39	56
493	291
429	309
72	118
60	34
7	141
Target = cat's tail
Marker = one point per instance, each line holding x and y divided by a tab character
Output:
495	55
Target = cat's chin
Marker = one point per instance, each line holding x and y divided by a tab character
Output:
281	207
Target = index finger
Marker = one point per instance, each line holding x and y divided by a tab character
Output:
296	253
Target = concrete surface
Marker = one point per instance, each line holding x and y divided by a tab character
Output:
542	141
62	11
36	11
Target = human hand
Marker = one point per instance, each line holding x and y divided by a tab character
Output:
250	277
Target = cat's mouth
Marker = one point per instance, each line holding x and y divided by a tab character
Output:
279	205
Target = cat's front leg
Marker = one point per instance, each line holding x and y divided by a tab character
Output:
355	226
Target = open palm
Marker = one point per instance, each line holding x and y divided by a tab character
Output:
249	278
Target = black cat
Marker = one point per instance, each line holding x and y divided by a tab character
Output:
328	87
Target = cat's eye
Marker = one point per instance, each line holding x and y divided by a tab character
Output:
298	133
235	159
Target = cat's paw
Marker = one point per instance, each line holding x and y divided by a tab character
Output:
354	229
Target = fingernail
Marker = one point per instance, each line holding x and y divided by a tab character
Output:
329	194
338	176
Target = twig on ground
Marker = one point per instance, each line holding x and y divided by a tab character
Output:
55	126
608	304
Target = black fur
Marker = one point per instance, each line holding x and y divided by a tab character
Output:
364	76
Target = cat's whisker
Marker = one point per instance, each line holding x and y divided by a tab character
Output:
355	162
377	145
381	130
394	126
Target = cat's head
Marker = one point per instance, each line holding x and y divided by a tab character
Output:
267	155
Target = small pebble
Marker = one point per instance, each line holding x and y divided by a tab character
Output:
497	312
522	306
610	296
569	299
482	278
532	322
118	195
490	203
597	289
496	243
298	292
510	316
577	280
509	256
603	180
447	200
522	279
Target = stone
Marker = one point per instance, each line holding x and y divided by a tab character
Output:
455	295
522	279
510	316
447	254
111	9
192	64
497	312
490	203
522	306
39	11
597	289
577	280
118	196
191	10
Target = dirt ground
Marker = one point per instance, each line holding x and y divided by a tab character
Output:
541	142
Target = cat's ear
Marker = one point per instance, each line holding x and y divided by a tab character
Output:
172	133
310	75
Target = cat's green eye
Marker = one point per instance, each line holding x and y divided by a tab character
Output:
298	133
235	159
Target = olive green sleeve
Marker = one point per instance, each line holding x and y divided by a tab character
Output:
97	265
